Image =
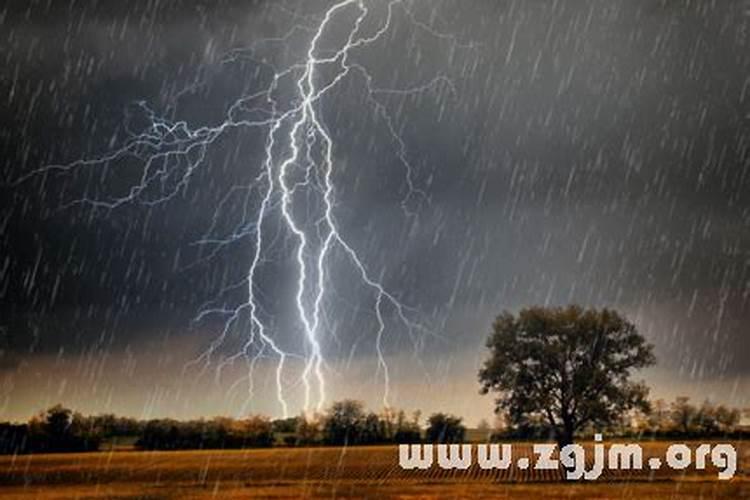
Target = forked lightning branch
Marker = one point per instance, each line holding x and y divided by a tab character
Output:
169	153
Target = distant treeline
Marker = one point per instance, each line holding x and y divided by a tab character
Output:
678	419
60	429
681	418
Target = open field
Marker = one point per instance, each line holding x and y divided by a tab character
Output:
353	472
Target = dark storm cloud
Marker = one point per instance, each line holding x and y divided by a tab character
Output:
592	152
71	70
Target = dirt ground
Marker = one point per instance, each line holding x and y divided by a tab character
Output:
356	472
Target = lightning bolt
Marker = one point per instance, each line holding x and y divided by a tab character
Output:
170	153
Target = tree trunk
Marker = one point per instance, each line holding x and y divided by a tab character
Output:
564	438
566	433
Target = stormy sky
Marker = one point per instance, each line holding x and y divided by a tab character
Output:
593	152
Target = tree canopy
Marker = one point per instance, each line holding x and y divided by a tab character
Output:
565	366
443	428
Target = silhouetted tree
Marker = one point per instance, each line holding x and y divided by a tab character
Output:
658	416
707	420
444	428
59	429
108	425
683	415
727	419
343	422
568	366
285	425
347	423
257	431
407	431
372	430
57	421
221	432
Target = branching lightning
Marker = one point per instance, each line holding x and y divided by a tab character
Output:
296	139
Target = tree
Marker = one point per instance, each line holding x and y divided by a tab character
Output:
257	431
58	420
566	366
727	419
683	415
343	422
372	430
658	417
444	428
59	429
706	420
285	425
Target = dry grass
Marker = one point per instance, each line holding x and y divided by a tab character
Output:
354	472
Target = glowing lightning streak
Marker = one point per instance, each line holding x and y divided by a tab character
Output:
165	146
306	88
